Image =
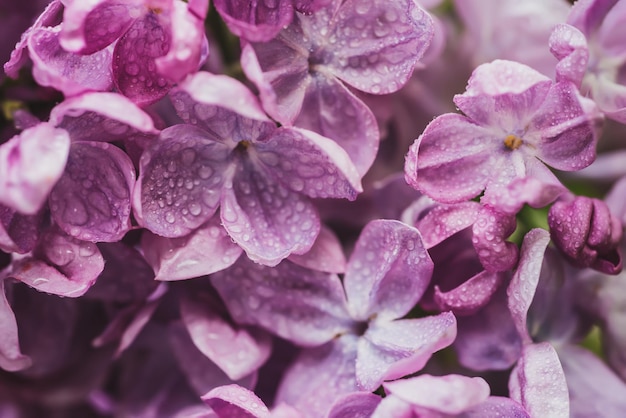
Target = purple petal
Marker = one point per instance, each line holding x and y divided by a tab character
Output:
201	373
255	21
197	98
104	117
91	26
496	406
304	306
504	94
526	277
91	201
319	376
30	165
537	191
490	232
68	266
206	250
488	339
594	389
67	71
19	233
233	401
354	405
264	218
443	221
389	350
567	123
378	43
180	181
450	395
569	46
18	59
309	163
471	295
138	321
331	110
538	382
134	67
326	254
388	271
392	406
236	351
450	161
11	358
188	39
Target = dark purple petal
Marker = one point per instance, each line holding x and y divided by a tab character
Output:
206	250
11	358
91	201
67	266
134	67
30	165
180	181
304	306
325	255
490	232
19	233
67	71
488	339
237	351
390	350
308	163
443	221
103	117
264	218
354	405
523	285
449	395
538	382
377	43
255	21
233	401
319	376
388	271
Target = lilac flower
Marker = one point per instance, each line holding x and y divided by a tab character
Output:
157	43
517	119
230	155
371	45
356	345
591	53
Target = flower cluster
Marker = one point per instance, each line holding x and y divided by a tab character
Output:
312	208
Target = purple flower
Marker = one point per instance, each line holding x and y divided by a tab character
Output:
372	46
358	343
230	155
591	53
516	120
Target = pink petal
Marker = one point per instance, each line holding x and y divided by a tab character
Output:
255	21
204	251
569	46
538	382
497	406
31	164
355	405
471	295
443	221
304	306
326	254
388	271
91	201
235	350
490	231
395	349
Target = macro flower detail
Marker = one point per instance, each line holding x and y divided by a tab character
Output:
516	119
230	155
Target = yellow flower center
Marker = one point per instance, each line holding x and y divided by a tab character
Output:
513	142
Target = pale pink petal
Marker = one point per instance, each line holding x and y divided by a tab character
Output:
236	402
11	358
325	255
